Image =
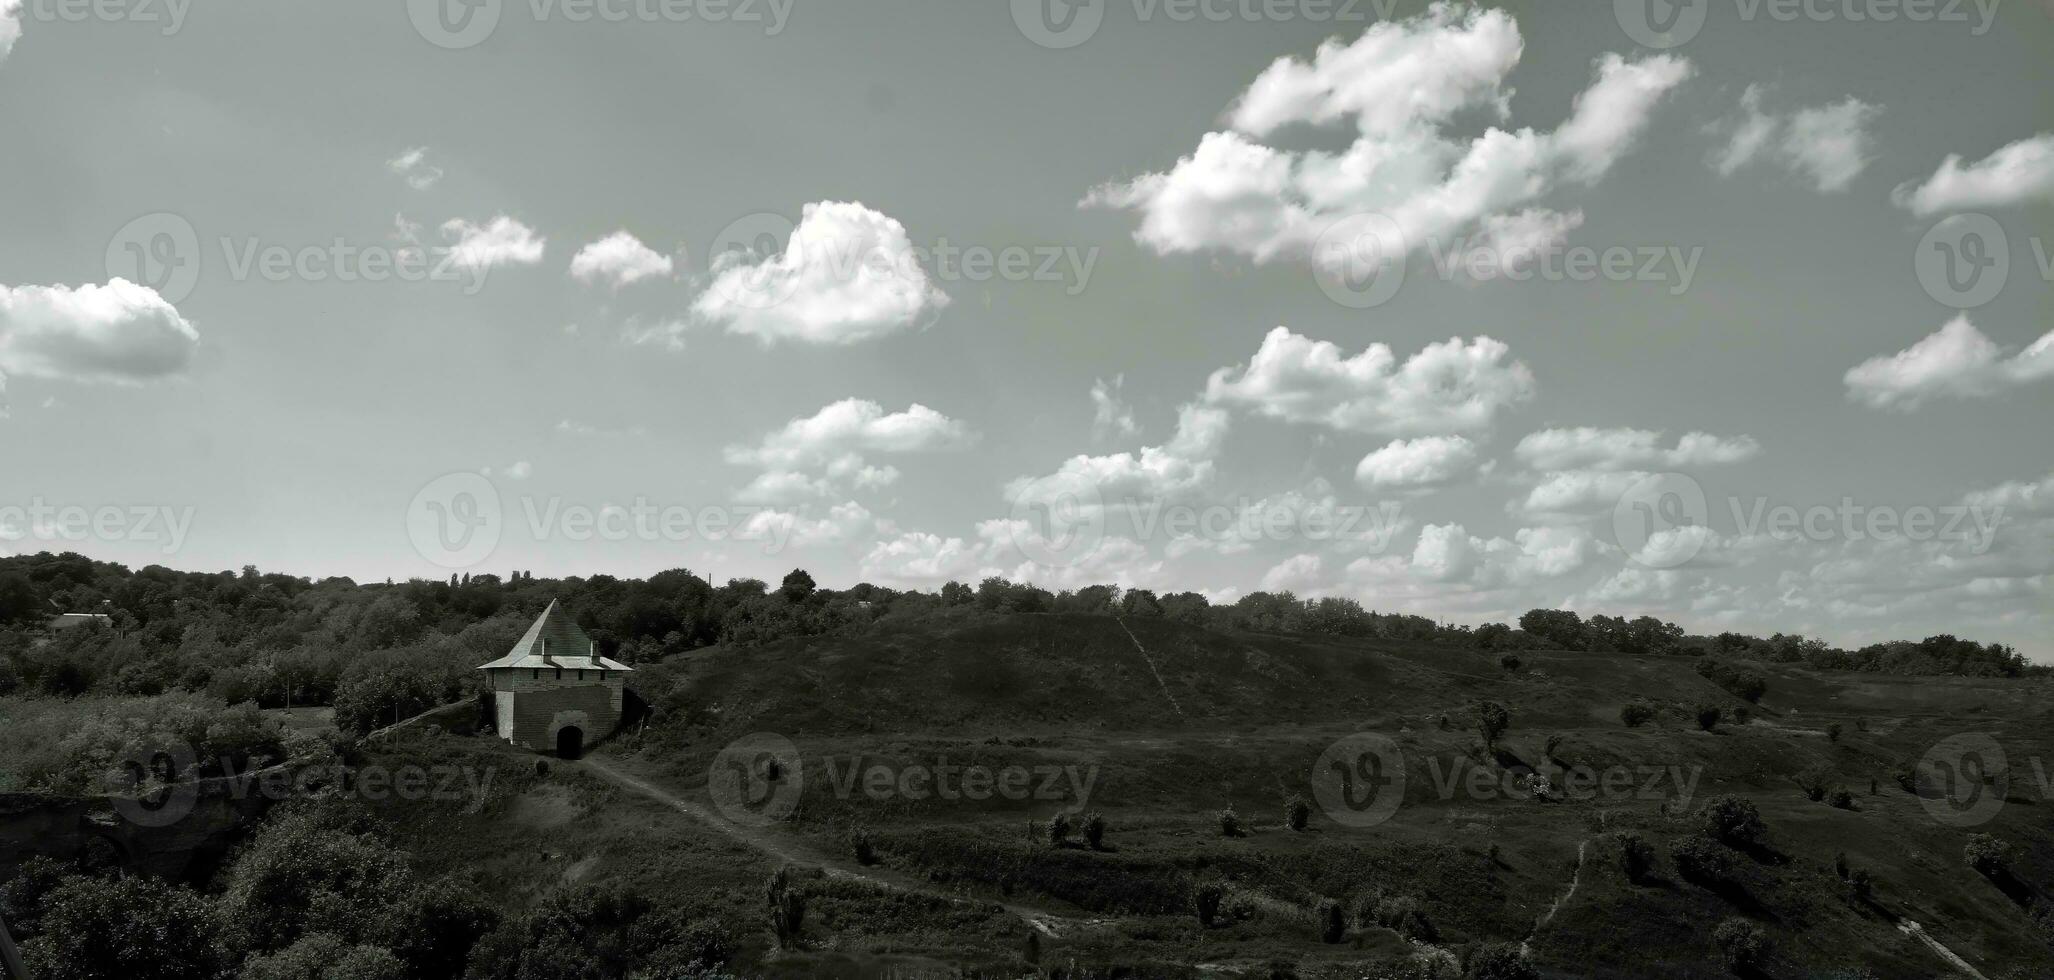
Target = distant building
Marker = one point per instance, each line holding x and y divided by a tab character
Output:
554	692
65	621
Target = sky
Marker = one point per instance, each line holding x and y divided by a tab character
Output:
1734	313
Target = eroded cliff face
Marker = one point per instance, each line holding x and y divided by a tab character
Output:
183	834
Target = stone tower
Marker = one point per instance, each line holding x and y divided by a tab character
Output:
554	692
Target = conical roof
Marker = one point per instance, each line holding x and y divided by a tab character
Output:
556	641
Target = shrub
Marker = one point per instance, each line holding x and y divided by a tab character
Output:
866	850
1332	924
1840	865
1636	856
1297	812
1401	914
1986	854
1734	822
1500	961
1230	823
1094	831
1860	884
1551	746
1509	661
126	928
1742	942
1813	781
1708	716
1833	732
1840	799
1205	901
1700	859
1058	828
1636	715
786	906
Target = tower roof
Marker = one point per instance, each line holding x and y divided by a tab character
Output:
556	641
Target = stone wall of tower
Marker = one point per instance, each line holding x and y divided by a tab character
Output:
532	704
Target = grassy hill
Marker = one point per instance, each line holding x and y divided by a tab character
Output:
1160	726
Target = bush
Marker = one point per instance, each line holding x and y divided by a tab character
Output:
1840	799
863	846
786	906
1551	746
1401	914
1500	961
1742	942
1491	721
1860	884
1986	854
1734	822
1297	812
1636	856
1509	661
1833	732
1094	831
1636	715
1058	829
1708	716
1230	823
126	928
1700	859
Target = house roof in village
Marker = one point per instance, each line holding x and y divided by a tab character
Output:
556	641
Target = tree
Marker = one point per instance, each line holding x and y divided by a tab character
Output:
797	586
1708	716
1297	812
957	594
1700	859
1636	856
1636	715
1986	854
1491	721
1734	822
1743	943
125	928
1501	961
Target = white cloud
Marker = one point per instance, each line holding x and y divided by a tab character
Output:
1618	449
1957	361
1399	83
618	259
843	523
501	241
120	332
2016	174
920	558
520	470
1829	144
412	165
1509	243
10	26
1176	468
1111	416
815	455
1447	387
1423	462
1576	493
847	275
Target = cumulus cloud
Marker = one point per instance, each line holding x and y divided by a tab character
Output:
1423	462
1173	469
2016	174
10	26
412	165
119	333
843	523
501	241
1957	361
1398	84
1579	493
1828	144
1448	387
618	260
847	275
1619	449
1111	416
828	450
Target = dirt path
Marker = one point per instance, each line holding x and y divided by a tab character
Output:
1575	878
1150	661
1918	932
799	854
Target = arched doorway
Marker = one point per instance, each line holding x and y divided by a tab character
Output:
570	742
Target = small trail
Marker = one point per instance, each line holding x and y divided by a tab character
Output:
1150	661
798	854
1575	878
1918	932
